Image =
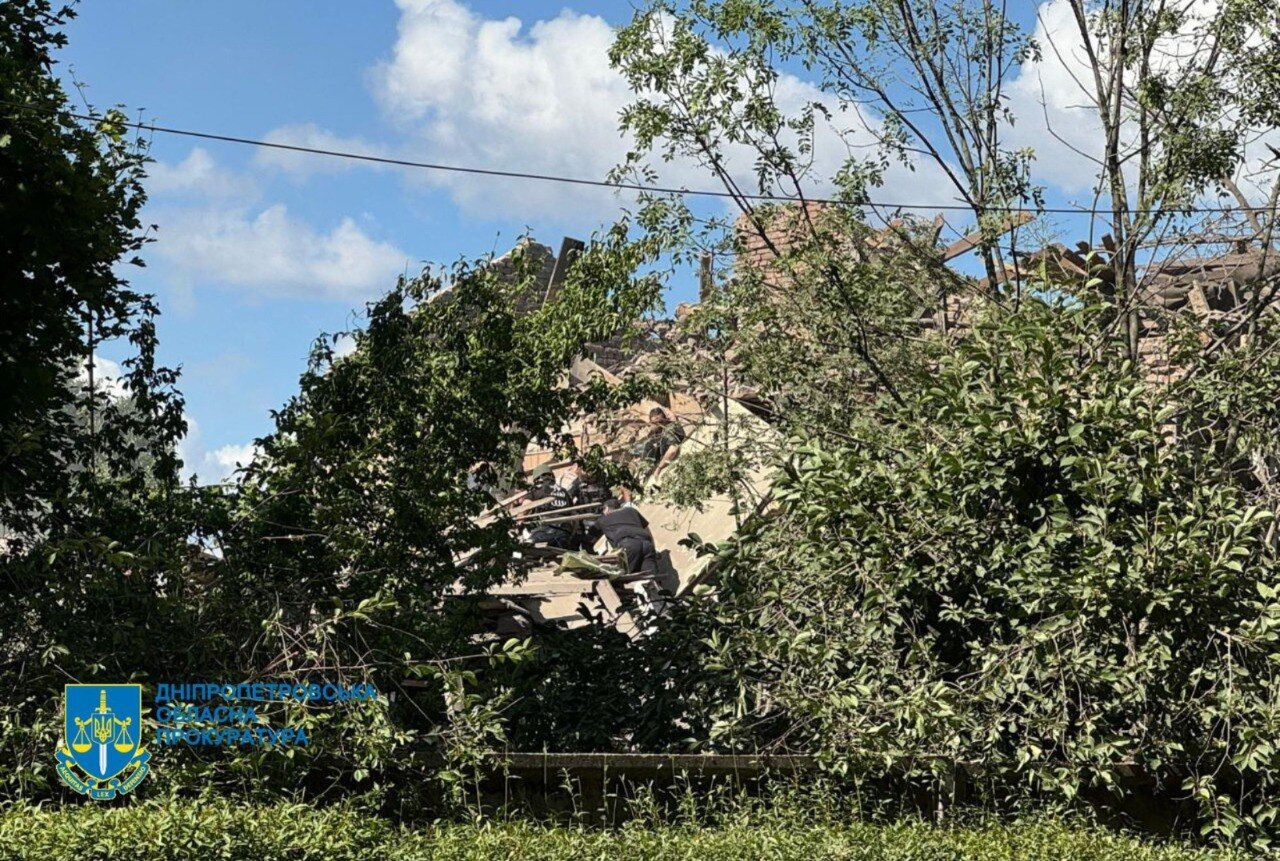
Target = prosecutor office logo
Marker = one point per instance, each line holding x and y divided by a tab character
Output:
101	754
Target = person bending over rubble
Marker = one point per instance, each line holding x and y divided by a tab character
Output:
563	492
663	442
627	530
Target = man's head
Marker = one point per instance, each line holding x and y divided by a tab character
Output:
658	416
611	504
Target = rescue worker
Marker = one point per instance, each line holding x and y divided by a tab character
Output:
663	442
628	531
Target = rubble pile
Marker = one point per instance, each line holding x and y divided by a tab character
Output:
1215	289
573	572
580	564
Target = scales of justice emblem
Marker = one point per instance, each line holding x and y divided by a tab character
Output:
101	754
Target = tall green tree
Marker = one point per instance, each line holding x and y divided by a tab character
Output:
69	224
95	527
358	542
1001	542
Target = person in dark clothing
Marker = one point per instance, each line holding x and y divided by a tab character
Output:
542	484
554	535
627	530
663	442
563	491
567	490
593	488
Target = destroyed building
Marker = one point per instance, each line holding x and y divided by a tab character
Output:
559	587
588	583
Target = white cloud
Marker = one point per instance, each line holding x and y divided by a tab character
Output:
311	136
1054	99
212	230
343	345
214	466
540	96
106	377
473	91
543	99
232	457
275	254
198	176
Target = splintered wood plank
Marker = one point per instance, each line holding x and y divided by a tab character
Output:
1199	302
612	602
973	240
556	586
584	370
588	508
530	506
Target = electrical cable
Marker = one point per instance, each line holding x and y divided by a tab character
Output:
625	186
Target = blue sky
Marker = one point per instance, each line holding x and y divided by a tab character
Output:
257	252
247	69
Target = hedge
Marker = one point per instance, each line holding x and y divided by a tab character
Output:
219	830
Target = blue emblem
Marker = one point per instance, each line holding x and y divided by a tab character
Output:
101	754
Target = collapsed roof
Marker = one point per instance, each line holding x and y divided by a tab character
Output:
564	589
568	590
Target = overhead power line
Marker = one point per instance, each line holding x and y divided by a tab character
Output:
618	184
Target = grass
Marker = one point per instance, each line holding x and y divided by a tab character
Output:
218	829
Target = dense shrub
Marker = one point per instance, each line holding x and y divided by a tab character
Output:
219	830
1037	561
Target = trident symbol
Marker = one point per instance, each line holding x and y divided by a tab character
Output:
103	722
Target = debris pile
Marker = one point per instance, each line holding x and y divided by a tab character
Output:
595	554
1217	289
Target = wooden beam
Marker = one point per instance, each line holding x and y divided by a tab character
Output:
581	508
583	369
973	240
